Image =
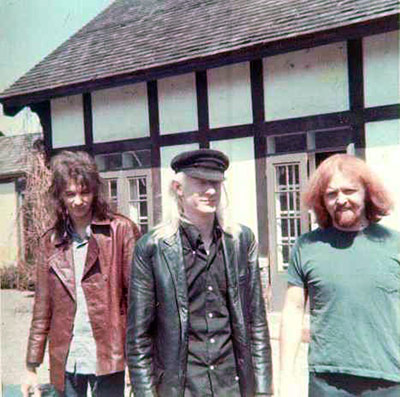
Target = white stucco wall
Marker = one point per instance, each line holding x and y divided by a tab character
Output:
240	180
382	69
67	121
178	104
8	224
383	155
229	95
306	82
167	153
120	113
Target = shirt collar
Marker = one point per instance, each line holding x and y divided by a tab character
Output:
75	237
193	234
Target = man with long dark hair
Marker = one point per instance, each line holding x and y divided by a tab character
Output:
350	269
81	287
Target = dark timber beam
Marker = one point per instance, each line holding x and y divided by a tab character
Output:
202	108
88	122
260	151
356	93
43	110
154	122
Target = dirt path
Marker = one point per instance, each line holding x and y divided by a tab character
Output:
16	311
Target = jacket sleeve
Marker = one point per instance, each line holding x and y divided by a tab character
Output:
141	313
131	234
42	312
260	341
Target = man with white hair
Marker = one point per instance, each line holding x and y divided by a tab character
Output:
196	317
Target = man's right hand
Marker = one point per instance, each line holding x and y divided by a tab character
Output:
30	384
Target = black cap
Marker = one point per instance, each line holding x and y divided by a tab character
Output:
203	164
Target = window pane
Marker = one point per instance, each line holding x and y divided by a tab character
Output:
287	191
138	207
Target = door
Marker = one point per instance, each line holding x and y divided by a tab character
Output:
287	217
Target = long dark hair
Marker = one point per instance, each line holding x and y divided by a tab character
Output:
80	167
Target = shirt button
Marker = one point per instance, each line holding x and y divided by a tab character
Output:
210	315
212	367
212	340
236	377
210	288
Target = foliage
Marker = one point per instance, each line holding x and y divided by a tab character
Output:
19	276
36	212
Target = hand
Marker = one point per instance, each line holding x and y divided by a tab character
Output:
30	384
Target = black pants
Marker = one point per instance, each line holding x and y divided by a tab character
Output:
102	386
342	385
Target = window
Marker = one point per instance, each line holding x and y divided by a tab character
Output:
128	181
138	209
112	187
287	175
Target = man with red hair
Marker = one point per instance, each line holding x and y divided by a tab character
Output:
349	268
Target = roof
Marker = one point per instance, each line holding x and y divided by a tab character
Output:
136	35
13	154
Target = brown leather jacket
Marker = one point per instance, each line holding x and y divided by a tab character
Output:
105	284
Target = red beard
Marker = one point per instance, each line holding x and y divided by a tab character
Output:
346	217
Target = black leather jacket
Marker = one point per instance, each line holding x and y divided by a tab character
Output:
157	337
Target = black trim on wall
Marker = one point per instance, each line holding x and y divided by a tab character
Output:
380	113
202	108
70	148
260	152
122	146
308	123
43	110
180	138
356	92
154	123
278	127
88	121
238	131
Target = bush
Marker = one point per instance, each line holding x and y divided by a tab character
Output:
9	277
17	277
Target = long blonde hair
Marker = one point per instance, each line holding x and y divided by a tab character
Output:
173	211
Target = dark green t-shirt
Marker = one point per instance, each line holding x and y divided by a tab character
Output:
353	282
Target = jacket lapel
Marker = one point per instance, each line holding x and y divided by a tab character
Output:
231	265
172	252
62	264
99	238
92	255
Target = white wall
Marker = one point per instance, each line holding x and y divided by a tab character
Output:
381	69
167	153
306	82
229	95
178	104
383	155
8	224
67	121
240	180
120	113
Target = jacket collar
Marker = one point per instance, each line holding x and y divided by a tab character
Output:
62	260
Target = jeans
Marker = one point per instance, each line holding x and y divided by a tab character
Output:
343	385
102	386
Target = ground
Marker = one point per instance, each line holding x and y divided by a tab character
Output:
16	310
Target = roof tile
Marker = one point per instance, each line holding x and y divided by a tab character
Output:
132	35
